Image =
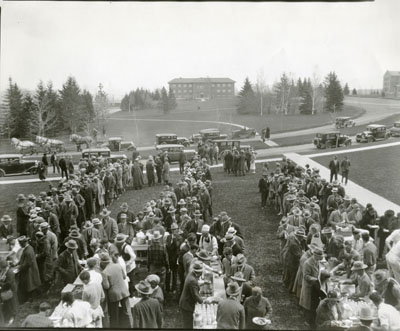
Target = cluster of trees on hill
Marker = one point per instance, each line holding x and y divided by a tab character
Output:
140	99
289	96
47	111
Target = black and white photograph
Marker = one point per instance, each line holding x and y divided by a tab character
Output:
200	165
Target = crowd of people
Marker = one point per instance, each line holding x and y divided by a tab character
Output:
68	233
325	233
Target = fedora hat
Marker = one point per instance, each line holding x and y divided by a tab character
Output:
44	225
229	236
366	314
171	210
67	198
74	234
183	210
203	255
327	230
358	265
153	278
144	287
6	218
120	238
21	197
205	228
198	267
381	275
238	276
233	289
290	197
197	213
88	225
313	246
39	234
174	226
96	221
314	199
156	235
71	244
318	252
105	257
124	205
123	215
31	197
182	202
300	232
153	203
22	239
307	213
296	211
333	296
240	259
335	190
105	212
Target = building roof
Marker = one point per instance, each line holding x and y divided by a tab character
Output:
393	73
200	80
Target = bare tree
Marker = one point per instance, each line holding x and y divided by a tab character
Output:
45	117
316	90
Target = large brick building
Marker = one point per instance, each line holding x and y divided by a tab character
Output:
391	83
202	88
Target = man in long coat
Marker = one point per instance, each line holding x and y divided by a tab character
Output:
67	264
29	277
68	215
22	215
292	258
137	176
165	171
109	224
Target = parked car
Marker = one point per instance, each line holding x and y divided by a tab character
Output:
97	152
174	150
212	134
244	133
195	138
166	138
331	139
184	141
227	144
116	144
344	122
13	164
117	157
395	129
374	132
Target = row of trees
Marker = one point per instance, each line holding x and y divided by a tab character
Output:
144	99
289	96
47	111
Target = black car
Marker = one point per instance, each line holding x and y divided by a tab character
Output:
14	164
244	133
331	139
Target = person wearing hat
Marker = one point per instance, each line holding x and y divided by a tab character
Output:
6	228
334	167
147	313
347	256
364	284
366	319
8	291
130	216
226	223
172	243
89	232
190	295
128	255
387	287
110	183
157	292
256	306
292	257
388	316
205	202
194	224
157	258
165	171
117	292
329	311
207	241
170	218
383	231
337	216
127	228
137	175
233	241
296	219
369	254
311	270
41	319
44	260
150	171
51	218
109	224
240	264
68	263
230	313
263	188
80	203
68	215
29	277
22	215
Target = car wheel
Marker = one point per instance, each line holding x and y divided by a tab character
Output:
348	143
2	173
370	140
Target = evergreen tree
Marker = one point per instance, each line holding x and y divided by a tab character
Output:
282	91
171	100
15	119
125	103
28	110
44	115
346	90
71	102
306	103
164	100
157	95
247	99
100	105
354	92
87	113
333	93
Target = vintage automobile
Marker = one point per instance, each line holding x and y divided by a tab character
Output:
227	144
13	164
244	133
97	152
174	150
344	122
184	141
212	134
117	157
395	129
166	138
331	139
195	138
116	144
374	132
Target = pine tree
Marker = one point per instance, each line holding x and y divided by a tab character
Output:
306	103
164	100
16	121
125	103
70	102
346	90
157	95
333	93
247	99
282	90
44	115
28	111
171	100
354	92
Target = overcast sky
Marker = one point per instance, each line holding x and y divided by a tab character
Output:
129	45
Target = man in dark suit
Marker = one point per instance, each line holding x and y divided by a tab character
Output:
345	166
334	167
172	243
190	295
68	215
68	263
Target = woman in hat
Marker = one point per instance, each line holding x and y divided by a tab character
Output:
256	306
147	312
329	311
230	313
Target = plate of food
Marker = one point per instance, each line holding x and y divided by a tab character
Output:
261	321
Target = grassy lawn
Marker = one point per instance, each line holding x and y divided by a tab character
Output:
240	198
376	170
